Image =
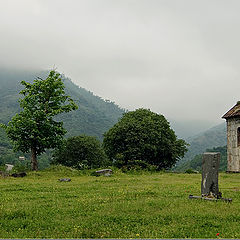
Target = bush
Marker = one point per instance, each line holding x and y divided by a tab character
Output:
146	137
81	152
135	165
20	168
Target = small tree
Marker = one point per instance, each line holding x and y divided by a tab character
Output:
34	128
143	136
81	152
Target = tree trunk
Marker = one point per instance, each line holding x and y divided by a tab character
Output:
34	159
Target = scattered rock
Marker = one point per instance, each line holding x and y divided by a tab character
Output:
9	167
21	158
104	172
22	174
64	179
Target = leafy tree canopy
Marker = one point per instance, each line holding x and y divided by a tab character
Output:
145	136
81	152
34	128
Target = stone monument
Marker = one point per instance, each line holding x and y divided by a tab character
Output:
210	166
209	184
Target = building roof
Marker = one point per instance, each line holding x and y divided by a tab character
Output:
233	112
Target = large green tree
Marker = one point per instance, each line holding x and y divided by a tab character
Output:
146	136
34	128
81	152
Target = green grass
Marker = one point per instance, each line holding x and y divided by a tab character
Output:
121	206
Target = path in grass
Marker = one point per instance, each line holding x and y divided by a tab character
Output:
122	206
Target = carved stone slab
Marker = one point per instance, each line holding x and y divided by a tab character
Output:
210	166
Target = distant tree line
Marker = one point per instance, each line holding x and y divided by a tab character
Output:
196	162
141	139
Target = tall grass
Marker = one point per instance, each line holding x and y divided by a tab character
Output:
121	206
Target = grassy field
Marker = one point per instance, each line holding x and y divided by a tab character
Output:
121	206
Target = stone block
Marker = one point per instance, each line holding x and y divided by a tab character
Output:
104	172
9	167
64	180
210	166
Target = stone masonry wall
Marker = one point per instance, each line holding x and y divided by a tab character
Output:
233	151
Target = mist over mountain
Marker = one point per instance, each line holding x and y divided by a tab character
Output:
212	138
93	117
190	128
96	115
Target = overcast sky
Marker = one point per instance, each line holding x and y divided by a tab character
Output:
180	58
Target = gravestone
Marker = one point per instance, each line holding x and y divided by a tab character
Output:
210	166
209	184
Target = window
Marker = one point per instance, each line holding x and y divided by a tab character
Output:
238	136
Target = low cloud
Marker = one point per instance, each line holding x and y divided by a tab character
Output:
178	58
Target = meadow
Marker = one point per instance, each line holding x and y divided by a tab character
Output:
125	205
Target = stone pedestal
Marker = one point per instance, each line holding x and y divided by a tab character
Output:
210	166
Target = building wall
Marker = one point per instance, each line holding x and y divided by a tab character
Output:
233	151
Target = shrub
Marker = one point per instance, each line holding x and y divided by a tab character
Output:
81	152
144	136
20	168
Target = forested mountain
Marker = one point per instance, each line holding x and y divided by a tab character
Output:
212	138
196	162
188	128
93	117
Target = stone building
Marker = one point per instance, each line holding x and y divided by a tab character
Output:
233	138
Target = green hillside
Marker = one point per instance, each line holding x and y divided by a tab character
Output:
196	162
212	138
93	117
